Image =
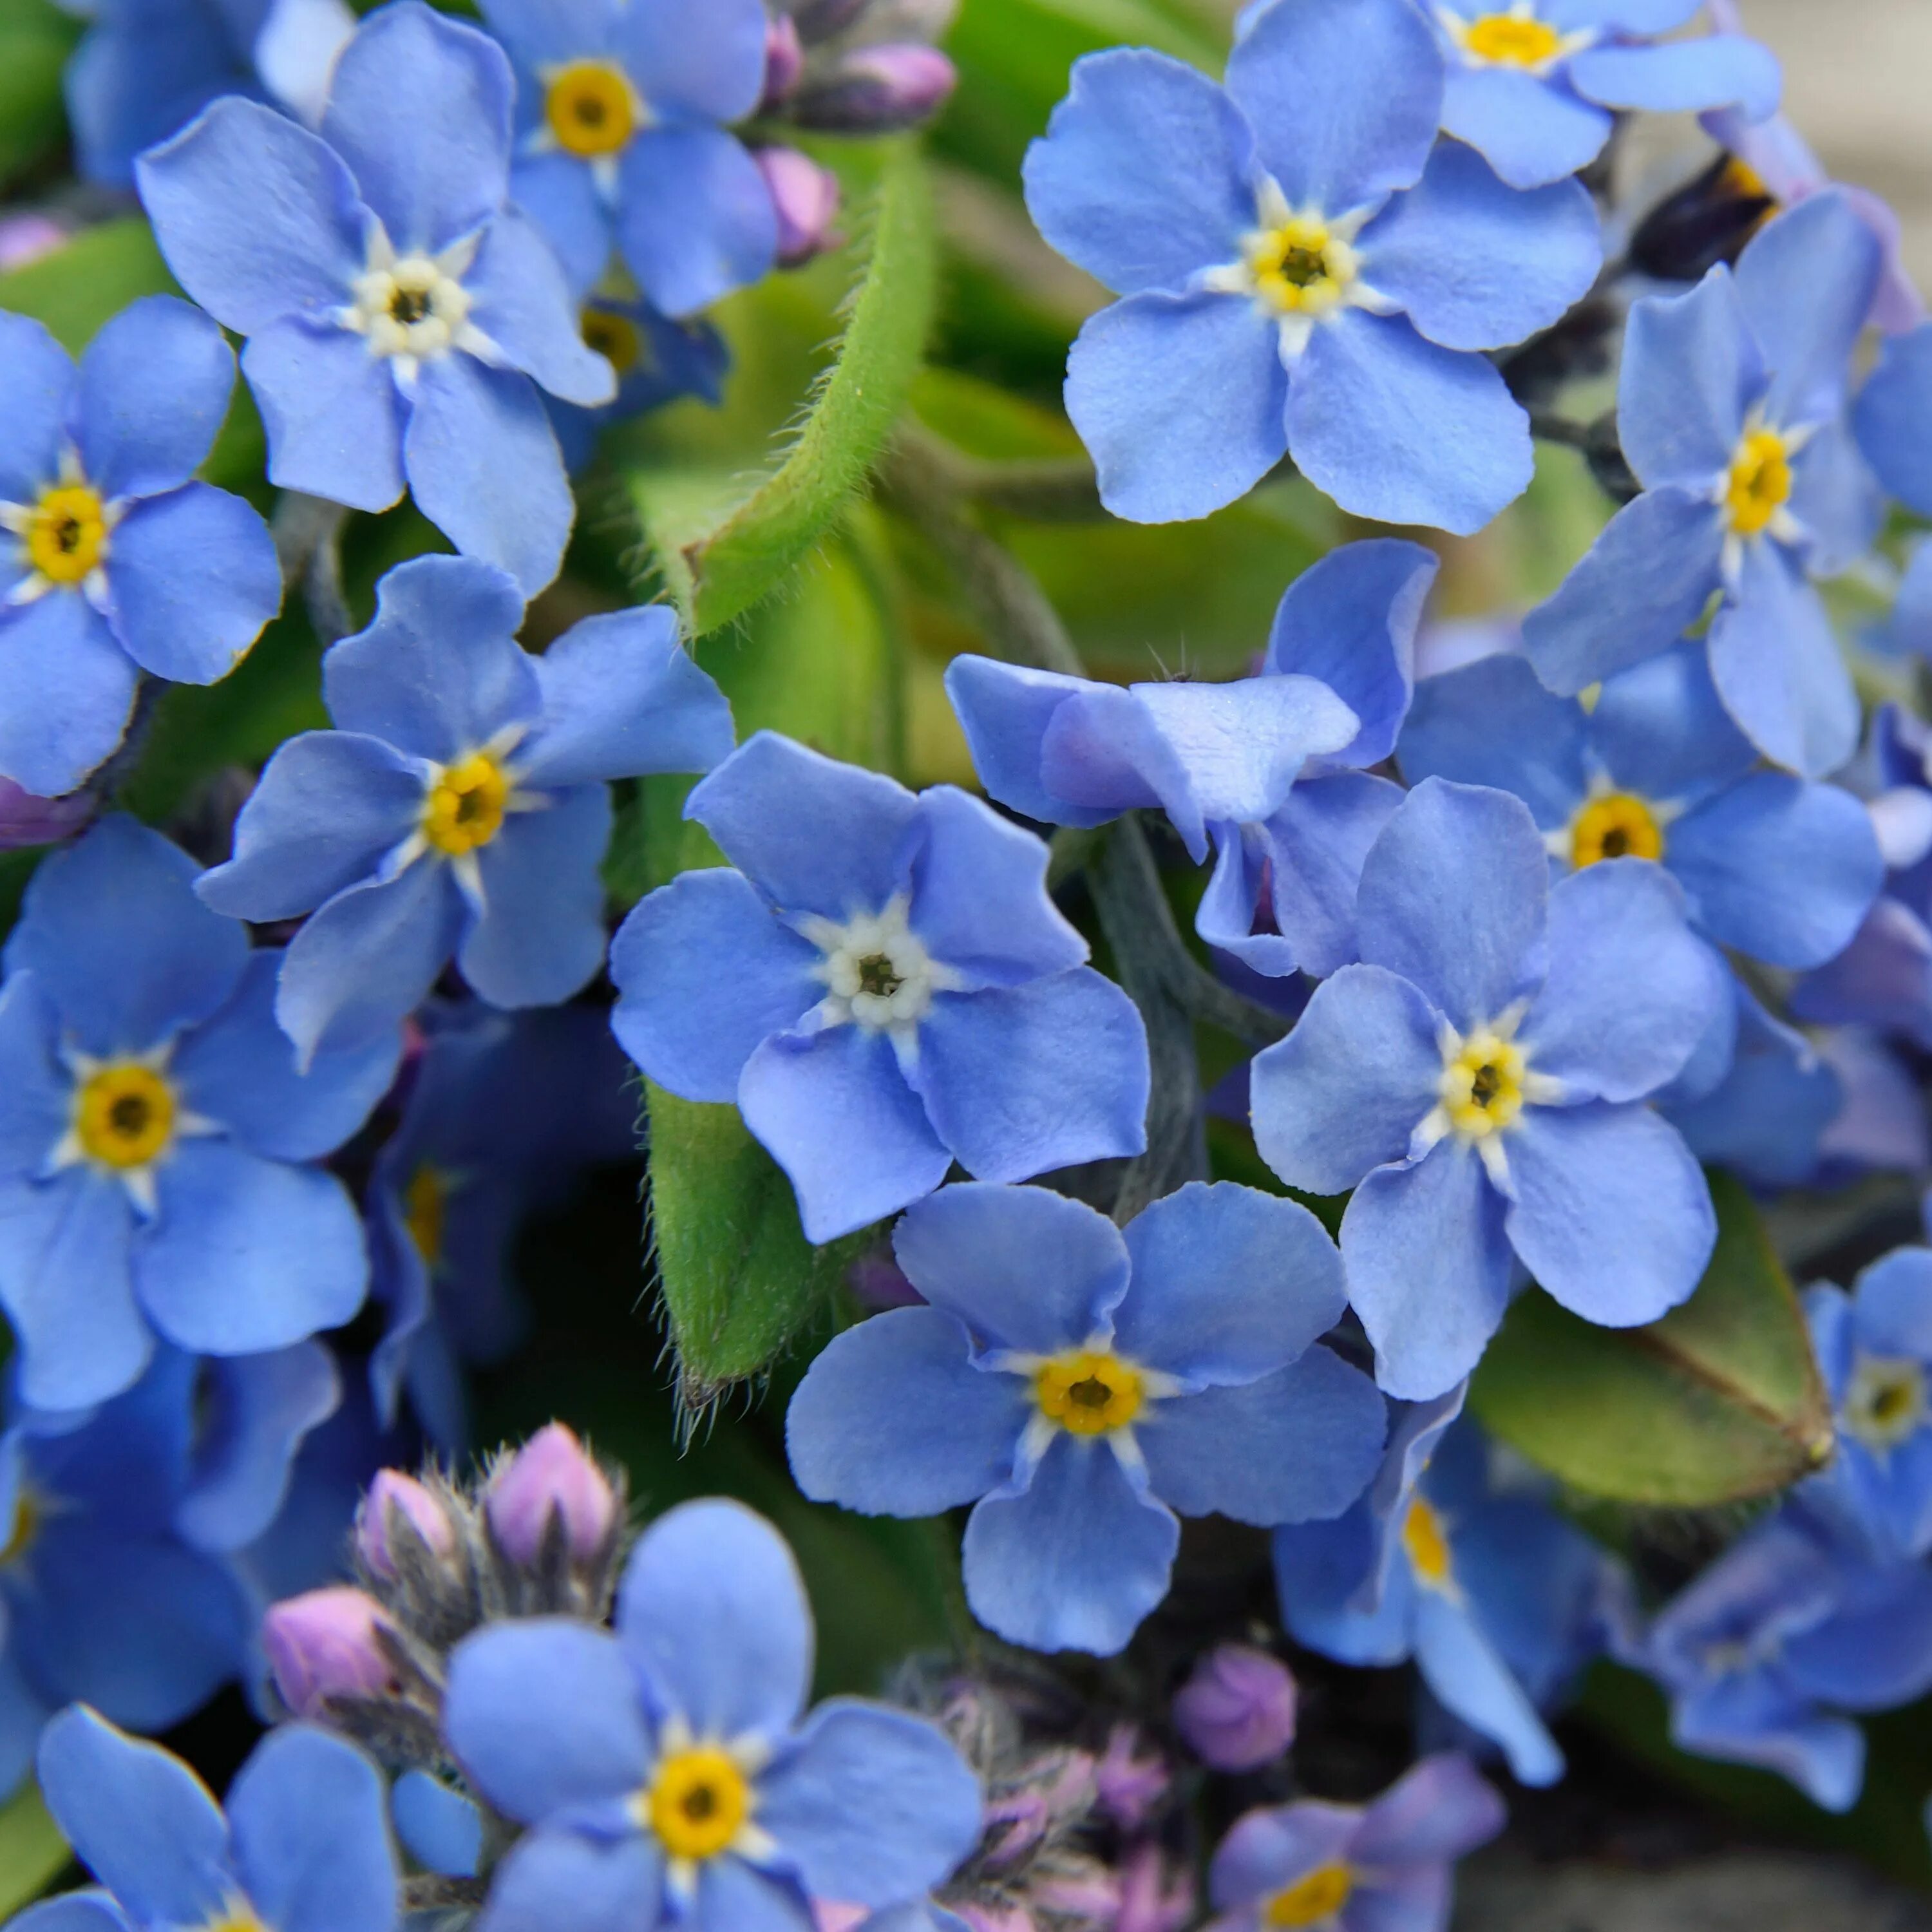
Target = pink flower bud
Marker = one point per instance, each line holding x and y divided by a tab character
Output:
26	238
1129	1785
784	59
393	1490
874	90
26	820
325	1645
1236	1711
806	198
550	1474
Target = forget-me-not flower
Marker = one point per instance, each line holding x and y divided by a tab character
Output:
1083	1386
670	1774
113	560
1893	419
1771	866
622	114
461	807
1731	411
1479	1081
304	1841
656	360
1304	270
401	317
158	1147
1269	771
883	986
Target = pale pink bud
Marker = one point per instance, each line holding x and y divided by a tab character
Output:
784	59
806	198
393	1490
874	90
552	1475
26	820
1236	1711
326	1644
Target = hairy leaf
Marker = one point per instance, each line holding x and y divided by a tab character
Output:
32	1852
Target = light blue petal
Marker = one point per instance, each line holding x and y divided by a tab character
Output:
1076	1561
1612	1214
1493	723
154	385
1179	400
33	407
1692	371
698	60
539	32
1225	918
1102	748
1629	17
1877	1652
1662	731
1752	1718
441	1829
1893	419
1005	711
1268	1850
1460	1664
1021	1080
523	304
66	692
1399	429
1442	1808
74	1911
1682	76
734	1896
1894	1303
1345	1090
603	1888
539	937
142	74
1530	130
892	1420
39	1089
712	1612
330	411
559	193
1835	500
695	219
1316	846
1302	1444
1143	177
1429	1268
1321	1571
1023	1267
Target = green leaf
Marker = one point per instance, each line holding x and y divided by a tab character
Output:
96	275
35	40
721	547
32	1852
1719	1401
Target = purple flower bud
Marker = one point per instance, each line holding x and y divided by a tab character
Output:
26	238
806	197
392	1489
874	90
1236	1711
1129	1787
26	820
325	1645
784	59
550	1474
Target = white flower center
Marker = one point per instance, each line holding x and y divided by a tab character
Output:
411	309
1486	1084
877	973
1886	1404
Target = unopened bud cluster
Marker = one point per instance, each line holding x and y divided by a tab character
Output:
859	67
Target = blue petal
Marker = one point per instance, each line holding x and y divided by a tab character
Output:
1627	17
892	1420
1682	76
206	190
1460	1664
419	107
194	578
1894	1303
1429	1268
1076	1561
1493	723
1893	419
559	193
311	1829
330	410
543	1714
1753	1718
1397	428
113	928
484	467
1345	1090
1225	918
1268	1850
700	60
602	1888
141	73
541	32
622	699
695	219
141	1819
1005	711
1661	730
1692	372
33	407
1474	264
441	1829
39	1089
1835	500
1345	99
1179	400
712	1612
73	1912
1612	1214
734	1896
872	1805
1530	131
1321	1571
1021	1080
1142	178
1229	1285
1300	1445
1023	1267
1644	582
539	937
1103	747
247	1254
66	690
1876	1653
154	385
524	306
1317	844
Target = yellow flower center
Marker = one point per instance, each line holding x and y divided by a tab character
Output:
67	536
697	1803
1299	267
466	805
591	109
234	1916
1759	484
1482	1086
1617	825
1508	39
1311	1900
1089	1393
426	1212
125	1115
25	1527
1741	179
615	337
1425	1545
1887	1401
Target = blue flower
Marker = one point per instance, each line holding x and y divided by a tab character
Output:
622	114
158	1148
462	809
1305	271
1732	410
1478	1082
1385	1866
1893	420
400	316
656	360
1771	866
147	67
1080	1385
1501	1603
667	1773
1270	770
1786	1631
305	1842
883	986
113	561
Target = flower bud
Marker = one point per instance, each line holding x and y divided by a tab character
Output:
26	238
550	1474
393	1490
26	820
875	90
1127	1785
1236	1711
806	197
784	59
326	1644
